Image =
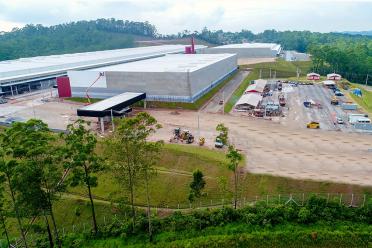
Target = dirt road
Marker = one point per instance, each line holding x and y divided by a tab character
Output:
272	148
213	106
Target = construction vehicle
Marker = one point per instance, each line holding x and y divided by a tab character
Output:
281	100
334	100
313	125
182	135
201	141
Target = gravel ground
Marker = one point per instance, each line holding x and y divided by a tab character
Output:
272	148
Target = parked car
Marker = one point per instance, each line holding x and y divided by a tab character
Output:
340	120
339	93
313	125
218	143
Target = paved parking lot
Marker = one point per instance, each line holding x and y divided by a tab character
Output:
296	114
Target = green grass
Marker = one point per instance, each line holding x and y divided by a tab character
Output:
177	162
339	234
171	105
82	99
284	69
365	101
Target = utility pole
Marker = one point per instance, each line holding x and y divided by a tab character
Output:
367	80
270	72
223	102
112	121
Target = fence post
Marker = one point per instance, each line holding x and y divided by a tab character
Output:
303	199
267	200
340	198
352	199
223	202
178	206
256	200
327	198
364	200
279	198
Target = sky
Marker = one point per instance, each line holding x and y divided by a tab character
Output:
172	16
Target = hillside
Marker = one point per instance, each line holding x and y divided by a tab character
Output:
82	36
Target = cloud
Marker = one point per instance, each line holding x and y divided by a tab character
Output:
172	16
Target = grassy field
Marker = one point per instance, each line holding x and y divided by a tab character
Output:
172	105
283	69
171	186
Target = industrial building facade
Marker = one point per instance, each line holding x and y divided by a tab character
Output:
248	50
26	74
172	78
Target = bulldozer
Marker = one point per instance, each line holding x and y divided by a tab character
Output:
334	100
182	135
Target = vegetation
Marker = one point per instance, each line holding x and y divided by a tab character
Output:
197	185
81	36
317	223
83	162
35	156
353	60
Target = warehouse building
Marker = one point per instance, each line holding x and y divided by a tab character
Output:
172	78
27	74
248	50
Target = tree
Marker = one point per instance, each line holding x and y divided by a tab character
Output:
234	158
82	160
2	210
224	132
197	185
7	169
38	170
133	158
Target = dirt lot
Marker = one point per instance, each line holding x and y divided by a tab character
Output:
42	106
270	147
274	149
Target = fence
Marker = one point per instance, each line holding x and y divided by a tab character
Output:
164	209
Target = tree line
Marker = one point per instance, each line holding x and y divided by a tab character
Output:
81	36
37	167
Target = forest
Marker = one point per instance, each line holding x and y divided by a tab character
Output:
347	54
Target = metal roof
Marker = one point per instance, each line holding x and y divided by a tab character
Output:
25	68
249	99
258	86
168	63
116	103
272	46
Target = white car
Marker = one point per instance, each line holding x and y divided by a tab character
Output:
340	120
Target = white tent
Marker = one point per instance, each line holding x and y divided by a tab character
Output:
248	101
334	76
257	87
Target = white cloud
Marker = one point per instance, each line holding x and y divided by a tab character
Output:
171	16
